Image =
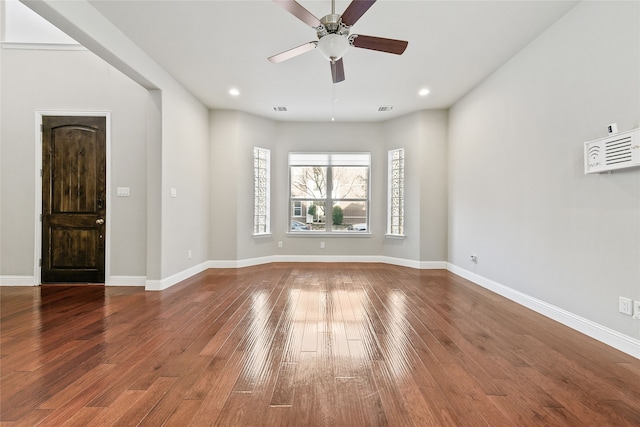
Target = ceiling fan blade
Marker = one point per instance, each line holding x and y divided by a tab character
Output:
296	9
355	10
337	71
380	44
288	54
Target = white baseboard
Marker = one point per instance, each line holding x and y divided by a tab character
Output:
159	285
424	265
112	281
127	281
592	329
18	281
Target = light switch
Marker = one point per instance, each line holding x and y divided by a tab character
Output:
123	192
174	192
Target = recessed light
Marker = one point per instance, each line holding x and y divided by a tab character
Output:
234	92
423	92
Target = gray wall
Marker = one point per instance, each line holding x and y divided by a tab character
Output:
185	153
177	138
75	81
424	137
518	197
233	136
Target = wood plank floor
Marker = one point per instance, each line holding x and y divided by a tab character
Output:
302	345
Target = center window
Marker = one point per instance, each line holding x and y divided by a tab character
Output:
329	192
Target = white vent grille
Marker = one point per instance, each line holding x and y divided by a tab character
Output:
280	108
618	151
385	108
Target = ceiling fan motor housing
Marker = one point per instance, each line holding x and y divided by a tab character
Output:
332	24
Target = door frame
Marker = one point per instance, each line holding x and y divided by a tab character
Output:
37	269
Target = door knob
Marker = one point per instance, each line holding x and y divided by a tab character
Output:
99	221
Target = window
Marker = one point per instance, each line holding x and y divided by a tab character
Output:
329	192
297	208
395	220
261	191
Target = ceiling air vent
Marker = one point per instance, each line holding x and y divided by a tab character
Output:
280	109
385	108
617	151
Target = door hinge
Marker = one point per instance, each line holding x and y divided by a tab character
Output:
40	262
40	173
41	127
40	217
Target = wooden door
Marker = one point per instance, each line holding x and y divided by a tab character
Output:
73	199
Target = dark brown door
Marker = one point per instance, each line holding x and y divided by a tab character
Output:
73	199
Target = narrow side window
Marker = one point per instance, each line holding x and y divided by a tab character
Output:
261	191
395	208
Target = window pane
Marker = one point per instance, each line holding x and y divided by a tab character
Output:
349	216
297	209
308	182
308	216
350	182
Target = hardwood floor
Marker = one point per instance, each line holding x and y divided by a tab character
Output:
302	345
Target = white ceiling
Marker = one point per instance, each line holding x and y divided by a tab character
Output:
212	46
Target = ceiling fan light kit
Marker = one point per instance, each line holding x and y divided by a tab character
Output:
333	35
333	46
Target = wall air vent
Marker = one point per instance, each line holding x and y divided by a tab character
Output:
617	151
279	108
385	108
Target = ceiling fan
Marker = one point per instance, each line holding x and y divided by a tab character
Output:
333	35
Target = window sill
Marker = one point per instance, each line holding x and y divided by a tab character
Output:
328	234
395	236
258	236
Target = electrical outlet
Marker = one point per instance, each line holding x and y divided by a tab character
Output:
636	310
279	244
474	258
189	254
321	245
624	305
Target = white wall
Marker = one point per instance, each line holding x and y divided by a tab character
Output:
21	25
77	81
518	197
